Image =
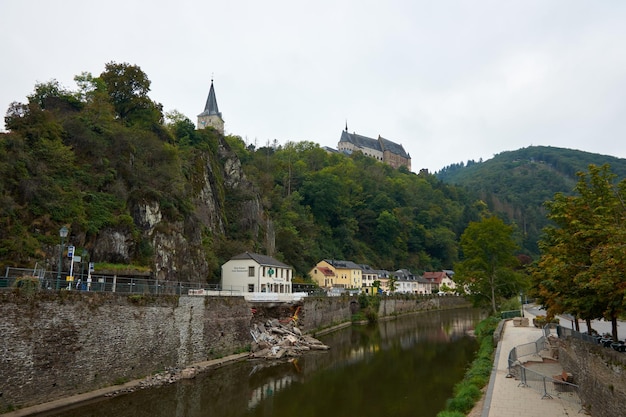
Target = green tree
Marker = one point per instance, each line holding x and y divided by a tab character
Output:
487	270
582	261
128	87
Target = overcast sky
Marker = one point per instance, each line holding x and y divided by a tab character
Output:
449	80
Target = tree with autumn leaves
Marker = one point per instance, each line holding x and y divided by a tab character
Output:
583	255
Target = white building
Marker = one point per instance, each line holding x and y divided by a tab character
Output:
251	272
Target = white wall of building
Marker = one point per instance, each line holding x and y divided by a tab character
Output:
246	275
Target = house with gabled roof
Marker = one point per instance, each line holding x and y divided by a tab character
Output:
323	276
252	272
439	279
381	149
348	275
409	283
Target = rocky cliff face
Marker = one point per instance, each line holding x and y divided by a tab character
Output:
178	249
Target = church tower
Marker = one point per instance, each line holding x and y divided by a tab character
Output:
211	115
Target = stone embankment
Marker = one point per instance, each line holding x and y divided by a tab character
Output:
275	340
272	340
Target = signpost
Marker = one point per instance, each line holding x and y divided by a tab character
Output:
70	277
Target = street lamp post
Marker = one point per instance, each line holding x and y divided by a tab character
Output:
63	235
83	259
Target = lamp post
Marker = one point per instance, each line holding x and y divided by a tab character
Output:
63	235
83	259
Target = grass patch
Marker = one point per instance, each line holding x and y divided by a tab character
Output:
468	391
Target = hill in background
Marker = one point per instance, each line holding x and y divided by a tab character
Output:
516	184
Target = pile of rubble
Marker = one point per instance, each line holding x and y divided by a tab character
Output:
168	376
274	340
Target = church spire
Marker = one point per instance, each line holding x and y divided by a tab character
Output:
211	116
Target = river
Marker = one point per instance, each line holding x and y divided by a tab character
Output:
402	367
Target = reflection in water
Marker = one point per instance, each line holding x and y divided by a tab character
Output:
404	367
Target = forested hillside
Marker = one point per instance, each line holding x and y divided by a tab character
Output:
139	189
131	189
151	192
516	184
328	205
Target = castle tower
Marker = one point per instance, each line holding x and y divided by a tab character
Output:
211	115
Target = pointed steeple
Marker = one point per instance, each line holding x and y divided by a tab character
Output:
211	116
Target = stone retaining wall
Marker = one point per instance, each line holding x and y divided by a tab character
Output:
55	345
601	374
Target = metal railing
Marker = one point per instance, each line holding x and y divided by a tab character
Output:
547	385
105	283
510	314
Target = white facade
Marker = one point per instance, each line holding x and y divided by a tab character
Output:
250	272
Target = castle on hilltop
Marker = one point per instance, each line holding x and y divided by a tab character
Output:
382	149
211	116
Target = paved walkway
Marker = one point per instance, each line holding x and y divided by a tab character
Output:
505	397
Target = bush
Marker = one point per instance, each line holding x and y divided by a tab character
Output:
27	284
450	414
462	404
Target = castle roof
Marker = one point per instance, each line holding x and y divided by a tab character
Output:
360	141
381	144
210	109
394	148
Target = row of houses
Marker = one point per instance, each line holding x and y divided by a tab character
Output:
339	275
255	273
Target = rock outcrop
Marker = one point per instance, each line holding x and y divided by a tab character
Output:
275	340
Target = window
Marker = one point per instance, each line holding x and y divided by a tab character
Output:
250	271
250	287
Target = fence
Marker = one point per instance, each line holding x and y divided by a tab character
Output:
510	314
547	386
134	285
105	283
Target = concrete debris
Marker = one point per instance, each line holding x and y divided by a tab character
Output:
168	376
275	340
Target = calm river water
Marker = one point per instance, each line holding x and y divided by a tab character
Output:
403	367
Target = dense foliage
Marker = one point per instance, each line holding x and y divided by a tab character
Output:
581	270
86	157
516	184
82	158
488	269
328	205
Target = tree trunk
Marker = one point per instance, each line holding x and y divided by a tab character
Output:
493	298
588	322
614	326
576	325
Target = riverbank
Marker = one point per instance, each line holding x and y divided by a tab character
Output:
161	378
126	388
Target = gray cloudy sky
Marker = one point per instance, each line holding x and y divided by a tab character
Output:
450	80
